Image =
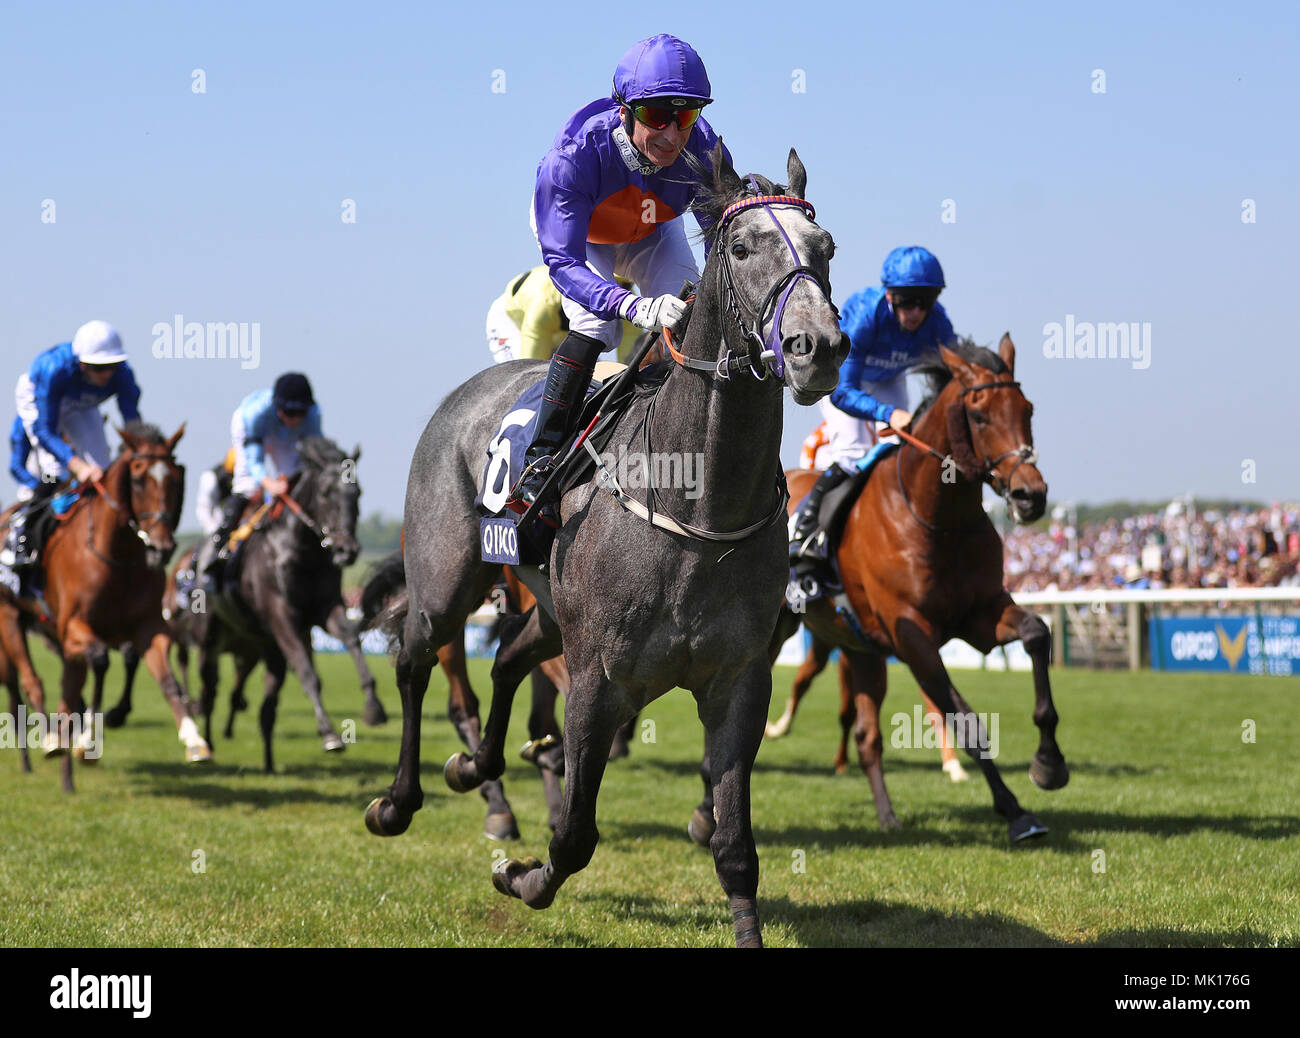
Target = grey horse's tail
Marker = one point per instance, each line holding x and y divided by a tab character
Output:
384	599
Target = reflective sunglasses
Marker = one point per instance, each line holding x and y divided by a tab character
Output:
657	117
910	302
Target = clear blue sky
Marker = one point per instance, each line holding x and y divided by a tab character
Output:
225	206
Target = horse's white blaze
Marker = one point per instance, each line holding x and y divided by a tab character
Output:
158	470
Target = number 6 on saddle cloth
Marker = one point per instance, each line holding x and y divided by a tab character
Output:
526	540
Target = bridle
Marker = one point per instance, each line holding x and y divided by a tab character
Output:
763	355
132	519
760	357
321	530
988	471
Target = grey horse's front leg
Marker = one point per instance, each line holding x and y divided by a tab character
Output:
338	624
590	720
734	713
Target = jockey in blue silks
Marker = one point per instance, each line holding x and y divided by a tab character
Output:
58	400
267	425
609	199
891	328
20	449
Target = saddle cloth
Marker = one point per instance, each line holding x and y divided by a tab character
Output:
505	464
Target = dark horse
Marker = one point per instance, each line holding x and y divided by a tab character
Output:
285	580
641	610
921	564
103	577
384	599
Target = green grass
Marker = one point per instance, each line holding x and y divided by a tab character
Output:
1200	832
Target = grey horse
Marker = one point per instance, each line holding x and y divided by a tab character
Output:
638	610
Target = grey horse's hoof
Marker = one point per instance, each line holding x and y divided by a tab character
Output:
374	715
375	812
1047	775
332	743
501	826
451	772
1026	827
701	828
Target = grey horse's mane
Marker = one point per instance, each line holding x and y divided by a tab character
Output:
320	452
939	376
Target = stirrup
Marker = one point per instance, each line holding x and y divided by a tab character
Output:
812	547
528	486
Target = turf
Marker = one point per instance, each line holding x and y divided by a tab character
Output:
1197	830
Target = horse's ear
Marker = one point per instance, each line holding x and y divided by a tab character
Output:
957	364
796	174
175	439
1007	351
127	438
726	180
356	452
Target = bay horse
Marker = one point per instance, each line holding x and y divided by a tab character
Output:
639	610
103	568
814	662
921	563
286	579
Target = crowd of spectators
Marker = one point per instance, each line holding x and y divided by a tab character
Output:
1178	547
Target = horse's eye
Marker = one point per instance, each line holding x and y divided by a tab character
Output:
739	251
978	419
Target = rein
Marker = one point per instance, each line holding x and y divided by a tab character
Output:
988	471
323	532
762	357
131	519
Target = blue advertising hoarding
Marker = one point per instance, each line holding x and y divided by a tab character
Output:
1237	643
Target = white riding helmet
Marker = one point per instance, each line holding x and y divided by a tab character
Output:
97	342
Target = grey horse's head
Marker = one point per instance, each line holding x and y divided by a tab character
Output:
331	494
758	256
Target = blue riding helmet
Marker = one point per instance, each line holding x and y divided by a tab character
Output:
910	266
662	67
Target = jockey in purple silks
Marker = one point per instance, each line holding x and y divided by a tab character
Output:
609	199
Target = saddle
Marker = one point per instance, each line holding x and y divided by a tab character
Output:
832	516
504	538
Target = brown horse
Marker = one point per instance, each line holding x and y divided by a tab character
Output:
819	654
103	579
921	563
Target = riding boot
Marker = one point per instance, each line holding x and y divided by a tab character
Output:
21	549
804	542
567	380
210	555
